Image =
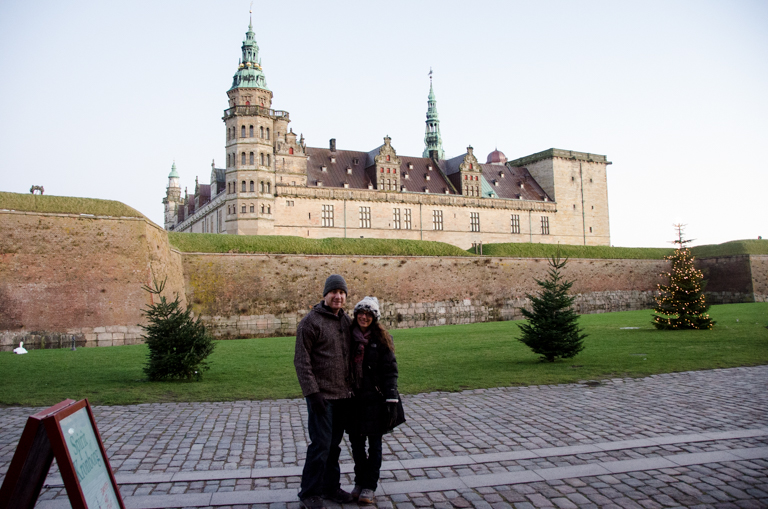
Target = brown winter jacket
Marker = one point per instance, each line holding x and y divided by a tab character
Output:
322	353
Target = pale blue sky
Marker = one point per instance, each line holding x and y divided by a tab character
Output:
97	99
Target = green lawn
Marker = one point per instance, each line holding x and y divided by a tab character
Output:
66	205
448	358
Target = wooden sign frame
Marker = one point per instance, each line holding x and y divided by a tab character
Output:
54	432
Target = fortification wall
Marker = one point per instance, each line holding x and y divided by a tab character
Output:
64	275
242	295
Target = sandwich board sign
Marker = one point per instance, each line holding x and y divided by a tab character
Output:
66	431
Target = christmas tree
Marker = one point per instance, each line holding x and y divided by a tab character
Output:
178	344
552	330
681	304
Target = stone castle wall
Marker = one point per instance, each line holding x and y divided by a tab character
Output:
65	276
68	276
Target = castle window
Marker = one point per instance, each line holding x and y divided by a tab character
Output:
269	209
251	159
262	159
261	132
290	150
474	221
242	131
242	159
269	187
382	170
590	229
267	132
253	208
365	217
437	219
328	216
252	187
250	131
396	219
289	203
470	166
515	223
387	157
268	160
544	225
261	186
243	209
242	187
262	208
407	221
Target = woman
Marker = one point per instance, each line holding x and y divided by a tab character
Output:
375	410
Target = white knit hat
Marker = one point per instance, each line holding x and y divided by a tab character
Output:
370	304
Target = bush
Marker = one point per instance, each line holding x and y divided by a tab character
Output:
178	344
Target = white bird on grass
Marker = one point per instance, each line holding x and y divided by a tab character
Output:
20	350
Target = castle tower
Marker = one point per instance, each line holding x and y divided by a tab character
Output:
387	167
172	198
432	138
252	129
471	174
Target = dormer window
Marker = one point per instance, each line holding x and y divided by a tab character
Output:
370	185
410	166
501	174
406	176
355	161
445	190
349	170
402	188
429	168
346	185
426	177
426	190
323	168
333	159
319	183
522	186
546	199
496	183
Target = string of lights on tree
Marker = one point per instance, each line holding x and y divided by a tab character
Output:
681	303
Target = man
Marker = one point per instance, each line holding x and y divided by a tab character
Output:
323	341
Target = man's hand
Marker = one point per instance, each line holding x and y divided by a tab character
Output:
317	402
392	411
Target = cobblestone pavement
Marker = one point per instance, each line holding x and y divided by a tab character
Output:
694	439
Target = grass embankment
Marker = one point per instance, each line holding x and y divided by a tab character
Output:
66	205
448	358
215	243
516	250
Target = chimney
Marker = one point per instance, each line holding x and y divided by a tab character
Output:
333	144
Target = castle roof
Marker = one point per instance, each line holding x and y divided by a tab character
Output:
496	157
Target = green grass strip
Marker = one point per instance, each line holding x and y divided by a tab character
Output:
216	243
66	205
448	358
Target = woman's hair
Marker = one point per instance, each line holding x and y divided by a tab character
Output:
379	333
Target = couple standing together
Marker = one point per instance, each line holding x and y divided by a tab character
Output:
348	375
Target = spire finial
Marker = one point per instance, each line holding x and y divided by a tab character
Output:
430	75
250	17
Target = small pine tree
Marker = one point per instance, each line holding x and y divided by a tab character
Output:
552	330
178	344
681	303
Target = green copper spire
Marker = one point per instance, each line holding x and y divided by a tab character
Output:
432	138
174	173
249	73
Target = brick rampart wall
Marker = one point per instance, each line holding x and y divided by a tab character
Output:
64	275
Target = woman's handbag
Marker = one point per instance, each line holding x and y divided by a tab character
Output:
395	415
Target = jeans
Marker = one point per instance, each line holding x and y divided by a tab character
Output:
321	473
367	467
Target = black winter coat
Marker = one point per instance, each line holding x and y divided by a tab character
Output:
368	414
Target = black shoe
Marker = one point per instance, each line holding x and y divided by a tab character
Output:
340	497
312	503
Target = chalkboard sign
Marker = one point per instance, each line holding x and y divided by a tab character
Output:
68	432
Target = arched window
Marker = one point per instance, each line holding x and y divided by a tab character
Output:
290	150
252	208
251	158
250	132
387	160
242	131
262	159
268	163
252	186
269	209
261	132
262	208
267	132
261	186
242	159
242	187
269	187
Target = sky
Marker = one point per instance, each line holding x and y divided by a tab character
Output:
98	99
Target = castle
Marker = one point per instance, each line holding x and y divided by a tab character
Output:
274	184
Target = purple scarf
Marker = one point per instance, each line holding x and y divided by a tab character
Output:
361	340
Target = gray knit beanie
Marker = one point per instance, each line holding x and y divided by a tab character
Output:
370	304
334	282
